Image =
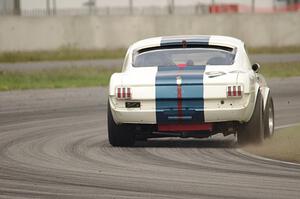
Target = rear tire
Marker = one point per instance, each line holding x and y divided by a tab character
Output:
119	135
142	139
253	130
269	118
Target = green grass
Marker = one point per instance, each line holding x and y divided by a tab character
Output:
284	145
55	78
62	54
95	76
69	53
280	69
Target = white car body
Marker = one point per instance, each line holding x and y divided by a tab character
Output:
217	106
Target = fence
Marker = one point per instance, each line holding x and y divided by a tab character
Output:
112	11
197	9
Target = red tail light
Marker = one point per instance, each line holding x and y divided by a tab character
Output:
234	91
123	93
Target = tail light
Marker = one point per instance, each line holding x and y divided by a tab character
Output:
234	91
123	93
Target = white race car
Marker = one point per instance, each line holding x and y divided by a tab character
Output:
188	86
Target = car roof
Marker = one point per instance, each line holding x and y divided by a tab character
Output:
215	40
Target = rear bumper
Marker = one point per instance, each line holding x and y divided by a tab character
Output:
185	127
214	111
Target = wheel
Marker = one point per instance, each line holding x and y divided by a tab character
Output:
253	130
119	135
269	118
142	139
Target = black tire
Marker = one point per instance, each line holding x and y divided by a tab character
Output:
269	118
142	139
119	135
252	132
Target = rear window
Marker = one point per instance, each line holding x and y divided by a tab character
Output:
184	57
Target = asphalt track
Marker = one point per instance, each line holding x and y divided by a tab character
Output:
53	144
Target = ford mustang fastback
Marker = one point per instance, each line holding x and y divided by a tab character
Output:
188	86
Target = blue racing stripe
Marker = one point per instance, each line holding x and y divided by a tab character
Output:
182	103
191	102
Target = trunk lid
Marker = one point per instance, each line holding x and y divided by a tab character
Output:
179	95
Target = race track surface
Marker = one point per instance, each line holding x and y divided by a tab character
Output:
53	144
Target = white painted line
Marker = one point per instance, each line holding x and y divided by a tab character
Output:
286	126
269	159
266	159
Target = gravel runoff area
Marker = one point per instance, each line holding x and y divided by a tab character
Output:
283	146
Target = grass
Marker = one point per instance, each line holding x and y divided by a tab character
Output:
69	53
55	78
95	76
289	69
284	145
62	54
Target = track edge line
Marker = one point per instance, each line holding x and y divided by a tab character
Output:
241	151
